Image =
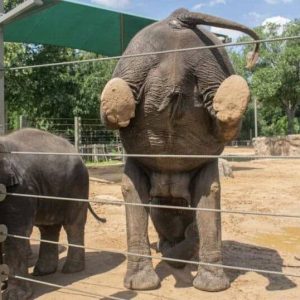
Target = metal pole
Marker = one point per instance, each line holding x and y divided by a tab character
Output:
4	19
255	118
76	139
2	106
77	133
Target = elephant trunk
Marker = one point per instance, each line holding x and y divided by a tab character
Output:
193	19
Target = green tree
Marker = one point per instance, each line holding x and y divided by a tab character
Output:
275	81
58	91
10	4
52	92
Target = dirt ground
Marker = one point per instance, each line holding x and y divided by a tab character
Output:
269	243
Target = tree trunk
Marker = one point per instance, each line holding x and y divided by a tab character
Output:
290	112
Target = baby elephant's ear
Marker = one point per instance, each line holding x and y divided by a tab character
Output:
8	173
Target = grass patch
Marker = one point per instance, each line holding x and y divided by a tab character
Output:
103	163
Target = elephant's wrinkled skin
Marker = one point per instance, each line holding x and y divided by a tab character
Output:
177	103
52	175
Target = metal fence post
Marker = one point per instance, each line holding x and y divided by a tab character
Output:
21	122
255	118
95	152
77	133
123	154
24	123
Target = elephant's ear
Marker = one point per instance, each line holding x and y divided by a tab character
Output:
9	175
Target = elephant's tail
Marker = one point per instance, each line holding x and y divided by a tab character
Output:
103	220
192	19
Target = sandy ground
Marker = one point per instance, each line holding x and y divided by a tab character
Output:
248	241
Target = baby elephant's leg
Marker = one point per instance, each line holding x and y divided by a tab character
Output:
16	258
75	261
48	254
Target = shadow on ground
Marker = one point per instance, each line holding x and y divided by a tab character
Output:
238	255
96	263
242	168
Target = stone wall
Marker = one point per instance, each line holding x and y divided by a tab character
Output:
284	145
225	169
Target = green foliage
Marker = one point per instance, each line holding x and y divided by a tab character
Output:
53	92
10	4
275	81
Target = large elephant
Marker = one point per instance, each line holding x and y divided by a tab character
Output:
52	175
180	103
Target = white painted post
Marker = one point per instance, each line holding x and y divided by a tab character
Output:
255	118
95	152
77	133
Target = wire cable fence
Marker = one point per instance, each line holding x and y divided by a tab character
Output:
186	156
146	205
7	68
71	289
192	262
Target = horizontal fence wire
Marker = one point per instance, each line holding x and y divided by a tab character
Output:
112	202
65	63
225	156
192	262
84	293
118	202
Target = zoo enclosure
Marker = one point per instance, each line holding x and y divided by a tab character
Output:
87	135
4	271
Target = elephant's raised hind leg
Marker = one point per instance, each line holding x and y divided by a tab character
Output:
117	104
230	103
140	274
206	194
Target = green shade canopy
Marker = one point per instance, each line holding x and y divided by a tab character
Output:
72	24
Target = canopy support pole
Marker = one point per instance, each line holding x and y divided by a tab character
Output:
4	19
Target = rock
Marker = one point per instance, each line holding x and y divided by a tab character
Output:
284	145
225	169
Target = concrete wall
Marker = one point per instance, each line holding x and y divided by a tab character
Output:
284	145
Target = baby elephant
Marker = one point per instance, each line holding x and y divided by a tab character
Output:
36	174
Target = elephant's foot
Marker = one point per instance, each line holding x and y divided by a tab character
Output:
15	292
230	103
141	277
117	104
211	279
73	266
45	267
